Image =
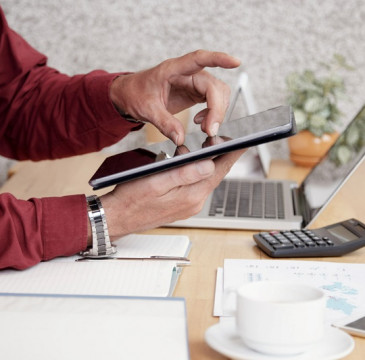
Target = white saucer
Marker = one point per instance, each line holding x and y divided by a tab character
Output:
223	338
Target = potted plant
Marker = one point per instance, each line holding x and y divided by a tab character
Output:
350	143
314	99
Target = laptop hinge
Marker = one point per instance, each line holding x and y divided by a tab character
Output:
295	198
299	205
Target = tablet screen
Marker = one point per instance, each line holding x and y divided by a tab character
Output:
234	134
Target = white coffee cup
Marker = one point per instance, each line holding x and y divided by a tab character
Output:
279	318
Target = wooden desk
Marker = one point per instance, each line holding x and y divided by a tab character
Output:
210	247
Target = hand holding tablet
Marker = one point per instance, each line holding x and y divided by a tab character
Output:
270	125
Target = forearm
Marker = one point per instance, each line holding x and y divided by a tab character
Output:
45	114
41	229
54	115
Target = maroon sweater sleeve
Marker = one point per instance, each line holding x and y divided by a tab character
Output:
47	115
40	229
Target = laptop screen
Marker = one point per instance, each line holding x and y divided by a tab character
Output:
257	159
326	178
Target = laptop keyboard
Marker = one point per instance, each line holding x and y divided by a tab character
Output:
237	198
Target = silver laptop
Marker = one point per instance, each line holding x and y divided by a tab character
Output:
256	160
280	205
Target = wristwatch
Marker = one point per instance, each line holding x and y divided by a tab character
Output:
101	245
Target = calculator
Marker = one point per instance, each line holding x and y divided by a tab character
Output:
333	240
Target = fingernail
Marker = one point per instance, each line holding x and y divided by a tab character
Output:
214	129
175	137
205	167
198	119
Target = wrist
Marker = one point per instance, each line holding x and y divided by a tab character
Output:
127	116
118	222
116	91
98	234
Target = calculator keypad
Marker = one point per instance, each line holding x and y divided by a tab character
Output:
281	240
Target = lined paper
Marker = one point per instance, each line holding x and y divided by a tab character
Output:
150	245
132	278
104	277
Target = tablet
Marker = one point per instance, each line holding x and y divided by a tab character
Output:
269	125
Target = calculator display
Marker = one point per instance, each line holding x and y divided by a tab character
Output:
342	233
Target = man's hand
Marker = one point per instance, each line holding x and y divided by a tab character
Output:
165	197
156	94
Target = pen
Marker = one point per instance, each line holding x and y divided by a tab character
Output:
179	259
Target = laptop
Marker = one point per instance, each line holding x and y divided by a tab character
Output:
262	204
256	160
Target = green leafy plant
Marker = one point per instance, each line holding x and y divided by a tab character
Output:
350	143
314	98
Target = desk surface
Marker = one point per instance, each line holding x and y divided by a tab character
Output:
210	247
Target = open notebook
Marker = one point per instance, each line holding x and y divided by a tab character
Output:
62	327
106	277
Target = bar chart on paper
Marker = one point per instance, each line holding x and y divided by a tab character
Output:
341	282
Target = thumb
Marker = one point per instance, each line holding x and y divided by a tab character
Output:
185	175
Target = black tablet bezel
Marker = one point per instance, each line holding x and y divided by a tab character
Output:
99	181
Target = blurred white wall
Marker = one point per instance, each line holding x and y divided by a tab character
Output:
272	38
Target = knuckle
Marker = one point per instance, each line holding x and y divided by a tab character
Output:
228	165
198	52
187	174
190	199
165	64
198	207
194	204
197	199
227	92
225	162
198	55
154	188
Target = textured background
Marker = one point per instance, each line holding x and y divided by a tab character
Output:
272	38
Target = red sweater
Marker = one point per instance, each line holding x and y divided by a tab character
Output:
47	115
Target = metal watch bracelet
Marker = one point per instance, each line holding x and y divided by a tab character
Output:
101	245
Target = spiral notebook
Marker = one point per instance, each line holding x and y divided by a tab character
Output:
106	277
